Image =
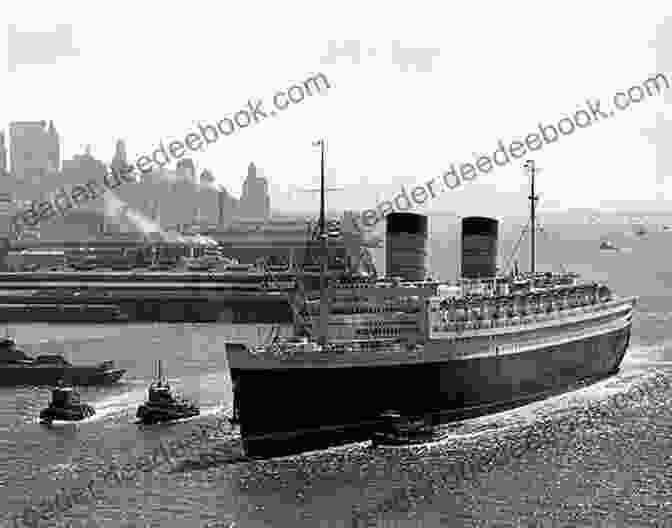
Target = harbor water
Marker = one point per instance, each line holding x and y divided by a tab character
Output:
596	456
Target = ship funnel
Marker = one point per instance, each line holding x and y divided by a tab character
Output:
406	246
479	247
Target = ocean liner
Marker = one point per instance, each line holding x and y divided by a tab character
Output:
487	343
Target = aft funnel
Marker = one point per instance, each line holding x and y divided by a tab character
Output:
479	247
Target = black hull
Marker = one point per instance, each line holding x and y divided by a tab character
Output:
71	414
54	313
285	411
13	376
251	311
152	415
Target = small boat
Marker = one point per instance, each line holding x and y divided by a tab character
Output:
163	405
639	229
607	245
398	429
66	406
18	368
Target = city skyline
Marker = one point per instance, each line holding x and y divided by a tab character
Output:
387	121
42	191
185	170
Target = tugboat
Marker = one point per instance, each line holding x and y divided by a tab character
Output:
607	245
66	406
639	229
18	368
397	429
163	405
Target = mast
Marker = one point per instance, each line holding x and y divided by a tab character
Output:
529	164
324	308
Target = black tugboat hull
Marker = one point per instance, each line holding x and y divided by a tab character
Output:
72	414
48	375
286	411
149	415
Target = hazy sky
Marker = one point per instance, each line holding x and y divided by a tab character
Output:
150	71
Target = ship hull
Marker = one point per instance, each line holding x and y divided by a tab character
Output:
19	375
74	413
284	411
150	414
105	296
60	313
252	310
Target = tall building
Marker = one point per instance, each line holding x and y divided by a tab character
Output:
4	169
54	152
186	170
227	207
255	201
80	221
119	160
35	151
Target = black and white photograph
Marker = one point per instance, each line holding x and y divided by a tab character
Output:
350	265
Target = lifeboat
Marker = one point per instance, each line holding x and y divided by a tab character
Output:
66	406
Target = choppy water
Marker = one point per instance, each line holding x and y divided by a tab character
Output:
600	454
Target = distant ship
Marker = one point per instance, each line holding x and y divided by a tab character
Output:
607	245
17	368
638	228
424	349
116	281
667	228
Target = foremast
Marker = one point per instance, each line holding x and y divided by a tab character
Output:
324	308
529	164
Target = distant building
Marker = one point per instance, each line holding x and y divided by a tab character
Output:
227	207
54	153
4	168
81	220
255	201
186	170
82	168
77	225
35	151
7	210
119	160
